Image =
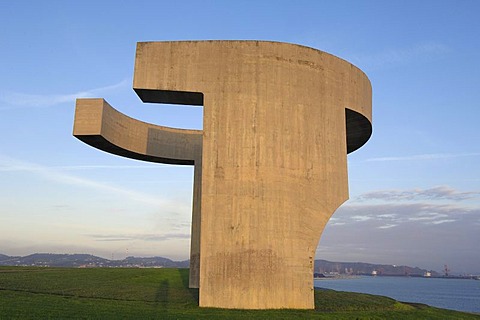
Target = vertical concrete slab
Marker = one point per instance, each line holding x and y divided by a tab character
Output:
270	163
274	159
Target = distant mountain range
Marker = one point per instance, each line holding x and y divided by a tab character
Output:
88	260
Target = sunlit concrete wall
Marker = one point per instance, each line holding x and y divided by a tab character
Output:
279	120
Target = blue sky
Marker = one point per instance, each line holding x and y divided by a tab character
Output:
414	187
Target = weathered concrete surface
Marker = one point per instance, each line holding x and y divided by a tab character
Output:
279	120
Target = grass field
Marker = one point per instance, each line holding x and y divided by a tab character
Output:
62	293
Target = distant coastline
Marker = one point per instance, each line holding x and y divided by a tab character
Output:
343	277
322	268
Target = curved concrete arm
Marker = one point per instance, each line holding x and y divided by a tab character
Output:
103	127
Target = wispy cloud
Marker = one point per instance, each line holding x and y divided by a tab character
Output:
443	221
110	167
429	156
361	218
53	174
387	226
26	100
427	216
435	193
90	167
385	216
405	227
400	56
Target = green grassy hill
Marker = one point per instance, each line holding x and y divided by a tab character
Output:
62	293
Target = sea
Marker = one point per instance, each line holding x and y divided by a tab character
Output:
454	294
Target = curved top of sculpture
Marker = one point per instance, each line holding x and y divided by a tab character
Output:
218	59
326	72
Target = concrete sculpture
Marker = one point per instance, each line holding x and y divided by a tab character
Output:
270	162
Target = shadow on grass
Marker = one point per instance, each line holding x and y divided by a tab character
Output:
161	297
184	275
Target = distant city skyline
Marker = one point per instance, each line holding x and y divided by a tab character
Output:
414	187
